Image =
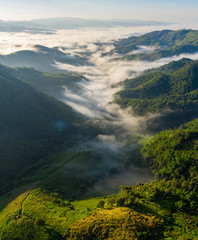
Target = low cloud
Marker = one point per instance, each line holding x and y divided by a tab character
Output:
73	40
127	177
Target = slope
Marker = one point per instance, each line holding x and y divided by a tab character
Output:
163	44
49	83
157	91
31	125
163	209
41	58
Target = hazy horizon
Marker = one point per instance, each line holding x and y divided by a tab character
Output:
79	17
169	11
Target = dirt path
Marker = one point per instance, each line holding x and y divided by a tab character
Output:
21	211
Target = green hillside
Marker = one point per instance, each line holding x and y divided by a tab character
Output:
171	87
163	209
166	43
173	154
32	124
49	83
23	107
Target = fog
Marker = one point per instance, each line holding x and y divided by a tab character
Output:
95	95
72	39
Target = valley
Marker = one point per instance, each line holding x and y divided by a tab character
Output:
81	119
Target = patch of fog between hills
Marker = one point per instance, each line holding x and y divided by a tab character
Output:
128	177
94	99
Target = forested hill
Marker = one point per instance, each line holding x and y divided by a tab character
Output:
171	87
163	209
165	43
23	107
31	125
170	67
49	83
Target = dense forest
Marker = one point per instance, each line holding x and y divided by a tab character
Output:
171	88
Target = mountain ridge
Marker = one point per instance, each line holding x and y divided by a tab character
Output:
166	43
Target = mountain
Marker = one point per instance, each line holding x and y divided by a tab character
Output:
31	126
67	23
162	44
31	100
23	26
171	67
172	88
41	58
48	26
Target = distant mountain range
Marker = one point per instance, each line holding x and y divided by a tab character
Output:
61	23
47	26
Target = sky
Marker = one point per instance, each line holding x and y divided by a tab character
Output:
180	11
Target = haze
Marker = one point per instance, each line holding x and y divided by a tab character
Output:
178	11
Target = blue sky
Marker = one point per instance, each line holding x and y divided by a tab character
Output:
169	10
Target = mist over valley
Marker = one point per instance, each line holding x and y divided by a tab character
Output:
91	106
